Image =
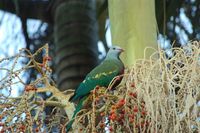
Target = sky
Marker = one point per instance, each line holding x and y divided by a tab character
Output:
11	41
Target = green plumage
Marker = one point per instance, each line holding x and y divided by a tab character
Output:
78	108
102	75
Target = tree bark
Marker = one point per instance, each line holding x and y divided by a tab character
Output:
75	34
76	37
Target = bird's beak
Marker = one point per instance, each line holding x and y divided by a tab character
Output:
122	50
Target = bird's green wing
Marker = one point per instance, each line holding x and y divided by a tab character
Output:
102	75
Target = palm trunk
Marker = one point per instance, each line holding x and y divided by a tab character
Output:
76	39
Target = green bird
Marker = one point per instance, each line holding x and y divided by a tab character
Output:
101	75
79	106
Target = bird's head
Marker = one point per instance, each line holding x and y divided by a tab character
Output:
114	52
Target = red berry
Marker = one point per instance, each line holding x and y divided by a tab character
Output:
102	125
143	112
110	129
121	103
134	95
97	87
113	117
131	116
47	58
131	120
112	111
133	85
131	93
113	107
135	109
37	129
102	114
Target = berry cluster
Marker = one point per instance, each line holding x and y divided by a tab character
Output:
125	114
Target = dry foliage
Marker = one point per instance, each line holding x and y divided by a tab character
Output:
25	113
156	95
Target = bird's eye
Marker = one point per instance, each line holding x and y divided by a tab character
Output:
114	48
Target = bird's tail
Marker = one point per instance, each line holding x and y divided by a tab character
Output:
71	99
78	108
69	125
